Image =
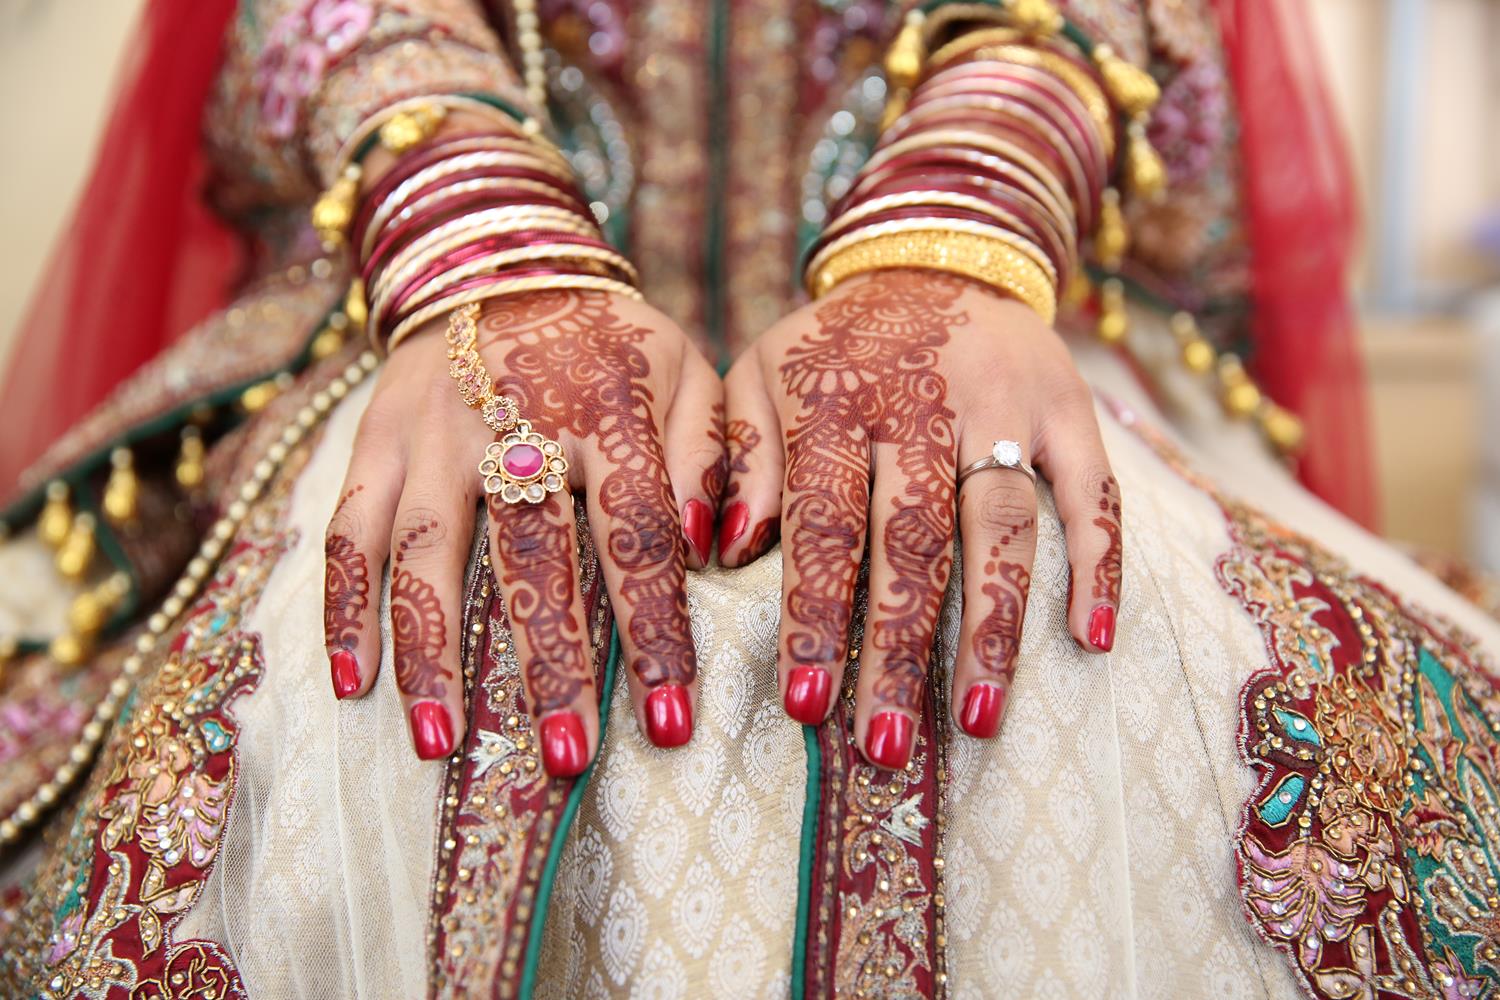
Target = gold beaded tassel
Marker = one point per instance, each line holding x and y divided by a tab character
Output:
76	553
122	490
189	469
87	616
57	515
198	570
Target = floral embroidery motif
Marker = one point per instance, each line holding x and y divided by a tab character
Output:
501	811
162	797
1370	851
298	51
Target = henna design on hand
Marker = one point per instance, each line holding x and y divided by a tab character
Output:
997	638
576	367
869	372
1108	573
533	559
346	586
741	438
346	592
419	629
716	474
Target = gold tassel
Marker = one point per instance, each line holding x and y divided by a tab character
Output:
1282	428
334	210
189	469
1112	237
903	67
1078	289
1238	393
405	130
122	489
1039	18
57	516
1131	89
1114	322
355	306
1143	165
68	650
1198	355
77	550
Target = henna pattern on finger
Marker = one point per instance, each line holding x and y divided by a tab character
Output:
716	474
741	439
869	375
1108	573
346	585
346	592
576	367
533	560
997	637
419	629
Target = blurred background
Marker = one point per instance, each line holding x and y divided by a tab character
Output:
1419	90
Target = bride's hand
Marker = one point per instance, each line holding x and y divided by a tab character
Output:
863	406
636	409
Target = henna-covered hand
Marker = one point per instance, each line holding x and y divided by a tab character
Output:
639	414
860	409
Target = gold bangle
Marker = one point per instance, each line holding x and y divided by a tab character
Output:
944	199
1056	201
475	225
979	258
1035	125
513	286
497	262
445	103
1007	45
933	224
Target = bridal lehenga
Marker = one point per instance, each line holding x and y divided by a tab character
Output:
1282	780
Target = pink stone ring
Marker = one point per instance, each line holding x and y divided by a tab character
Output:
523	465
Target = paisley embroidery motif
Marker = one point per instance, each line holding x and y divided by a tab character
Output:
1370	852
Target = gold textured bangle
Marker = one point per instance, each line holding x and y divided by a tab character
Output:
513	286
942	199
934	224
443	103
979	258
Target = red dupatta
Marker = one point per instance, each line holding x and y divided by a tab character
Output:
142	258
1299	207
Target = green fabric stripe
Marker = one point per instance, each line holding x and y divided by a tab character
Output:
560	835
810	807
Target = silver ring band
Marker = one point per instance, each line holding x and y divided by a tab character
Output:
1004	455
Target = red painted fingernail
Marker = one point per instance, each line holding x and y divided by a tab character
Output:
807	691
669	716
565	747
431	730
1102	627
888	742
736	520
982	707
345	670
698	526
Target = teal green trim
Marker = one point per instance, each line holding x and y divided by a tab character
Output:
564	824
810	807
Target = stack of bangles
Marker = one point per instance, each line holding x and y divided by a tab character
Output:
470	216
998	162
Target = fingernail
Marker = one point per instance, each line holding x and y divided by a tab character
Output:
345	670
565	748
982	707
1102	627
807	691
888	742
431	730
736	519
698	526
669	716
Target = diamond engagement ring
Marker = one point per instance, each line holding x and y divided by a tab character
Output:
1004	455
